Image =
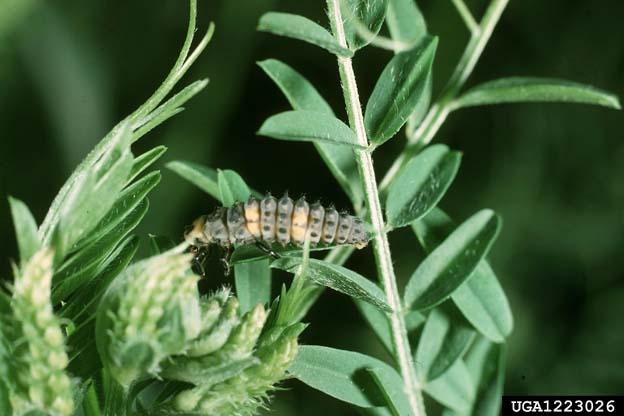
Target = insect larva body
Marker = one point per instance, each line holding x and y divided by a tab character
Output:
269	220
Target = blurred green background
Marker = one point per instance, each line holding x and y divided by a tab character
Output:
71	69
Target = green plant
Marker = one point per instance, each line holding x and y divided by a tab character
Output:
83	329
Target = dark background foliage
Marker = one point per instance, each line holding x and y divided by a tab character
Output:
70	69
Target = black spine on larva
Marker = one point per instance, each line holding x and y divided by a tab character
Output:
315	222
268	217
236	224
216	227
330	225
284	219
358	233
344	228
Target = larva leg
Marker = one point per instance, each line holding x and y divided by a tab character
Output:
265	248
198	262
225	261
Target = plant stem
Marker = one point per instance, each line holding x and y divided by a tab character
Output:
466	16
381	246
445	104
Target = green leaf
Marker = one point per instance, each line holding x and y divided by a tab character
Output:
378	321
399	91
128	199
443	341
486	364
145	160
201	176
408	29
302	95
454	389
520	89
232	187
452	262
94	193
421	184
392	387
253	284
483	302
405	22
247	253
299	92
80	310
339	373
25	229
48	228
481	298
166	110
81	305
338	278
362	20
301	28
309	126
89	261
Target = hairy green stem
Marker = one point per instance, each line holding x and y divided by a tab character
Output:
445	104
381	247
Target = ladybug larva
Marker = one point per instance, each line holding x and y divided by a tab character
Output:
269	220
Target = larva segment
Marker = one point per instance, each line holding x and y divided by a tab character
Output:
299	221
358	236
268	218
330	225
236	225
284	219
215	229
344	228
315	222
252	217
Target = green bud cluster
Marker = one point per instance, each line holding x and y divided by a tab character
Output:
232	364
149	312
38	361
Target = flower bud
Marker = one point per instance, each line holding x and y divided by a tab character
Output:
151	311
39	362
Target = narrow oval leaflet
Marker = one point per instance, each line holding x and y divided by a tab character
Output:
421	184
338	278
531	89
399	90
452	262
309	126
339	373
301	28
481	298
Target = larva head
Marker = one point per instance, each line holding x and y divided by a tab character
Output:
195	236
